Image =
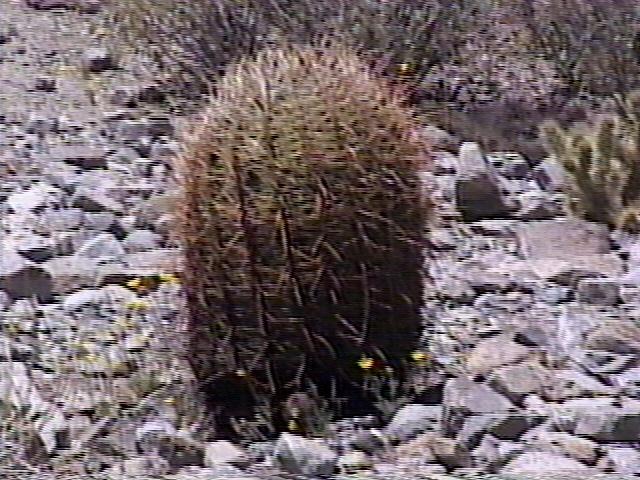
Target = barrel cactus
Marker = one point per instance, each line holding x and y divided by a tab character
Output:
301	222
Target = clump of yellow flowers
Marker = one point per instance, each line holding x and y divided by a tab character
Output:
404	68
168	278
293	426
137	305
142	285
420	357
366	363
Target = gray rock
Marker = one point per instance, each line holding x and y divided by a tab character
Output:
513	426
223	451
145	465
41	125
625	460
562	239
440	139
95	200
448	451
600	362
353	462
563	443
70	273
629	381
493	453
83	156
5	300
629	294
494	352
573	384
99	221
465	395
413	419
503	228
20	278
477	191
509	164
101	246
369	441
141	240
59	220
479	197
304	456
33	247
34	198
111	294
518	381
537	206
571	270
550	175
615	335
544	462
45	84
599	291
445	163
599	419
97	60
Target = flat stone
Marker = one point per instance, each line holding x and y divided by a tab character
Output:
223	451
562	239
625	460
21	278
494	352
84	156
70	273
563	443
518	381
599	291
303	456
544	462
413	419
471	397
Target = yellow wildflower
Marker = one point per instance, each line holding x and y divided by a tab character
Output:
135	283
404	68
92	357
168	278
365	363
419	357
292	425
138	305
124	323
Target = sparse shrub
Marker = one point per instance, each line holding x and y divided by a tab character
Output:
603	165
301	223
594	44
191	43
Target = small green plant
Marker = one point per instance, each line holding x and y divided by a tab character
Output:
302	221
603	167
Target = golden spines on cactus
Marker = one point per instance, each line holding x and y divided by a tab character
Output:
301	223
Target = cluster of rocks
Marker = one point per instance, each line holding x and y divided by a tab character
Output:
531	317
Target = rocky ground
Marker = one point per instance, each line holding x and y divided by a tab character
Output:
532	318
